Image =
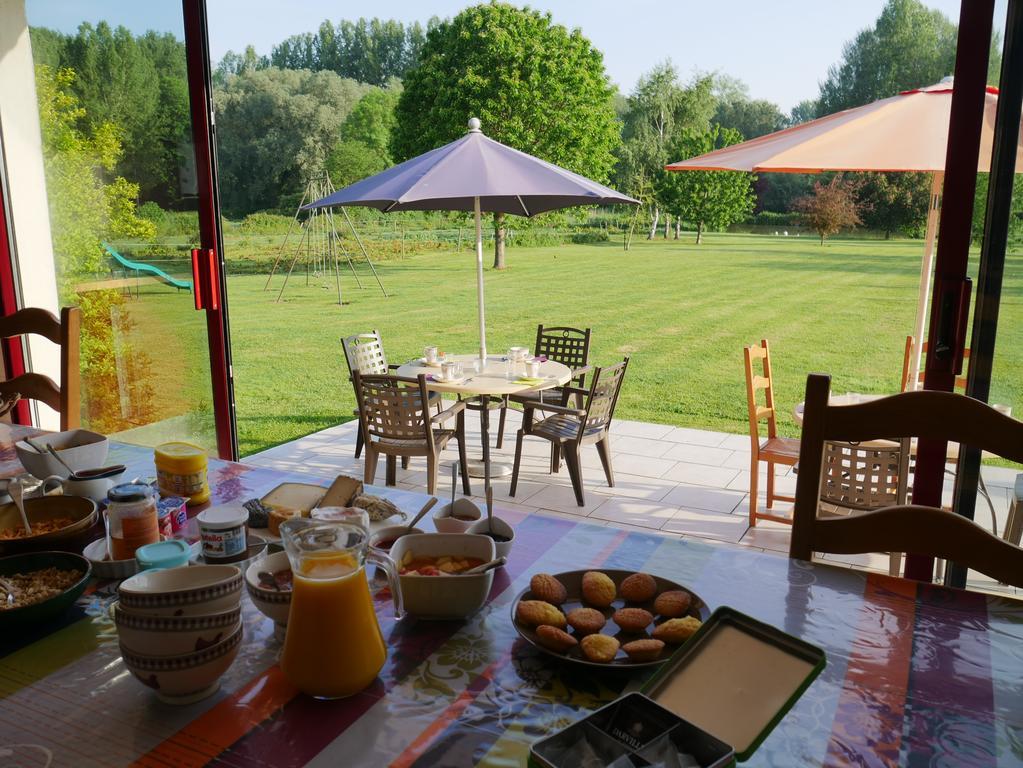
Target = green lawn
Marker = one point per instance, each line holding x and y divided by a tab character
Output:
683	312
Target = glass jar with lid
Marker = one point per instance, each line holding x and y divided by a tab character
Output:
131	519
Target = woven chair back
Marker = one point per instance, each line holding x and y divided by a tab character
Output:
603	397
864	476
568	346
365	352
392	408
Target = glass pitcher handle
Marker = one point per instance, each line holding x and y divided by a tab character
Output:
386	564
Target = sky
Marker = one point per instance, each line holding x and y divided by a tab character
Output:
780	49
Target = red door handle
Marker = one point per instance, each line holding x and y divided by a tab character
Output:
205	279
196	282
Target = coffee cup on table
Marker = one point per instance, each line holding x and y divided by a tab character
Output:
533	368
94	488
430	354
449	370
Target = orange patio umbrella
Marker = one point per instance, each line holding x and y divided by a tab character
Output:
908	132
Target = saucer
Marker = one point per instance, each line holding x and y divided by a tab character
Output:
434	364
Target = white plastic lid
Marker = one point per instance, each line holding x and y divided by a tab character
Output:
218	518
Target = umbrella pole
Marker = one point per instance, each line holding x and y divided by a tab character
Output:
926	270
479	283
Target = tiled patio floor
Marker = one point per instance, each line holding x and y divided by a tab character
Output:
671	480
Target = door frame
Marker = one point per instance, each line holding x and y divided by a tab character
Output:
212	281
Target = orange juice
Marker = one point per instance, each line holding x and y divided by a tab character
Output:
333	647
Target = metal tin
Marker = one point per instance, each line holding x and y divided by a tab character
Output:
637	723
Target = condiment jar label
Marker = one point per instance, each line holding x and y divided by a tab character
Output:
223	542
190	484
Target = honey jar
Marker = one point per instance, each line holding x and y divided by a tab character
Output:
181	471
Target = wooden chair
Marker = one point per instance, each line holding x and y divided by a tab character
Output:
902	528
365	352
858	477
66	332
907	358
772	450
394	418
571	428
568	346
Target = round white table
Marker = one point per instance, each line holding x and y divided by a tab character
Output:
498	377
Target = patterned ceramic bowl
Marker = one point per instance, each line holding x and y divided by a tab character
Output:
185	591
187	678
173	636
272	603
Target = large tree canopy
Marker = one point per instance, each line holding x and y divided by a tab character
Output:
660	109
364	147
535	86
276	128
707	199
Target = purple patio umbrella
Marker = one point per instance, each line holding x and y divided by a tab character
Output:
476	174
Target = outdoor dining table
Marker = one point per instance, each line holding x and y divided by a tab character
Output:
916	674
498	377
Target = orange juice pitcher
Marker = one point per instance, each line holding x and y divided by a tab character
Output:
333	647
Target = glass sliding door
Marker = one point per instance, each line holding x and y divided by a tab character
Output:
131	197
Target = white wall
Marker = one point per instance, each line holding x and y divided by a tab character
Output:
22	156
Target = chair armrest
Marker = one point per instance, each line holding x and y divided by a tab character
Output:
393	366
447	413
577	372
558	409
574	391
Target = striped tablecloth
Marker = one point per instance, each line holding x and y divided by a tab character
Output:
917	675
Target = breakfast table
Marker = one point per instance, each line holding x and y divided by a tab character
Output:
499	376
916	674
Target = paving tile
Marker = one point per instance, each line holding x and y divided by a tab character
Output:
774	539
560	498
696	497
636	487
638	446
634	512
700	474
639	429
697	454
783	508
735	442
644	466
695	436
501	487
710	525
738	460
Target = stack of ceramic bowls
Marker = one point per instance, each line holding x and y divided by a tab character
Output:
180	628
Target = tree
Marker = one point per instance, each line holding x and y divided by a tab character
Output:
535	86
84	210
236	63
659	109
275	129
368	50
709	199
832	207
909	46
364	147
895	202
735	109
804	112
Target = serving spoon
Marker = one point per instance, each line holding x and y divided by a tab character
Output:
419	515
484	567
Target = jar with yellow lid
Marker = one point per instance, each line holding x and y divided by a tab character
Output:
181	471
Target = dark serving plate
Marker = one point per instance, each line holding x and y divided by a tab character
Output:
573	584
54	606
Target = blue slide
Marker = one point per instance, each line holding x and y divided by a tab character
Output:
140	266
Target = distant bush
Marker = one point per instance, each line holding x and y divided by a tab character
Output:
590	236
774	219
264	224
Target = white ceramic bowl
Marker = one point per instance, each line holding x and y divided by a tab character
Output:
80	448
174	635
103	567
500	527
184	591
390	532
444	597
272	603
445	520
187	678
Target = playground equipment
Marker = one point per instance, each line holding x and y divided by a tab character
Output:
320	244
140	267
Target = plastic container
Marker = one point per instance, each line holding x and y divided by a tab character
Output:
172	553
224	531
181	471
173	507
131	519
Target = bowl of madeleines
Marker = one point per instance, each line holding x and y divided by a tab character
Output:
607	617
